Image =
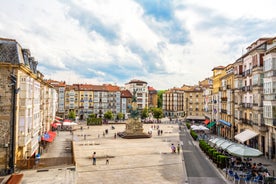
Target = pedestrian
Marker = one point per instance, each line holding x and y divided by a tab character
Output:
178	148
94	158
115	135
107	160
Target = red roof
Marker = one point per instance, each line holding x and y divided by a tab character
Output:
126	94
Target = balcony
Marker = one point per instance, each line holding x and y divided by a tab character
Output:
24	139
247	105
224	111
246	121
262	128
223	99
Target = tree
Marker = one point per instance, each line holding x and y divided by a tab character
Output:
157	113
145	113
72	115
108	115
160	98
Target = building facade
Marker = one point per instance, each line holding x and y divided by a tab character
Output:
22	108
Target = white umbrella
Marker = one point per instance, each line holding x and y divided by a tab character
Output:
243	151
213	141
225	144
194	126
220	142
201	127
69	123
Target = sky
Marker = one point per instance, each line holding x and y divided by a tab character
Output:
166	43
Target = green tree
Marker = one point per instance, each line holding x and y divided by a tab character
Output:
145	113
160	98
72	115
120	116
157	113
108	115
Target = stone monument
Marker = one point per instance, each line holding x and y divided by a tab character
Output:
134	127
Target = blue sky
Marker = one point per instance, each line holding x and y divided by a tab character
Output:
166	43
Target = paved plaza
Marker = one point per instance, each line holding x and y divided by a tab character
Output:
146	161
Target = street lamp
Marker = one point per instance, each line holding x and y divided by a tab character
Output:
15	90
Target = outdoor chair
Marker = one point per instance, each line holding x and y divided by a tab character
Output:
237	178
231	174
247	178
258	179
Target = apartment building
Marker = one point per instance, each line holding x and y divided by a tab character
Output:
269	103
194	103
21	106
218	72
226	125
248	71
173	103
126	100
207	86
59	86
152	97
140	88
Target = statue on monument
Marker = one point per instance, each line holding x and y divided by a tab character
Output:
134	127
134	113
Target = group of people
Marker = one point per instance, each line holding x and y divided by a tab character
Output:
246	165
173	148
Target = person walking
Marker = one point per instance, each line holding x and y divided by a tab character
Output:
107	160
94	158
178	148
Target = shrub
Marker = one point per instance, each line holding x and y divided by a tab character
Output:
188	125
94	121
193	134
222	161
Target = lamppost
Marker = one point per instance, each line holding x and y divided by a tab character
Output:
15	90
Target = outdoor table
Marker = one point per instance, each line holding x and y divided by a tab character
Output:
238	167
270	180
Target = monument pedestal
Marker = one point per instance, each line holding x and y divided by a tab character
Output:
134	130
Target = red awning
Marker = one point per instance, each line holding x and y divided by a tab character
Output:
54	125
49	136
52	134
50	139
207	121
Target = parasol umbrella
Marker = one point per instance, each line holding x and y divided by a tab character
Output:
201	127
243	151
219	142
225	144
69	123
213	141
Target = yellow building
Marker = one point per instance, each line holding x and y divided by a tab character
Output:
226	121
218	72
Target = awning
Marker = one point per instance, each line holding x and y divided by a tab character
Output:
211	124
245	135
196	118
49	136
225	122
207	121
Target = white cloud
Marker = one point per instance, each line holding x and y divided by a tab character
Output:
120	35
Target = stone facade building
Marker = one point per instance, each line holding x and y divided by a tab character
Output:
23	114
